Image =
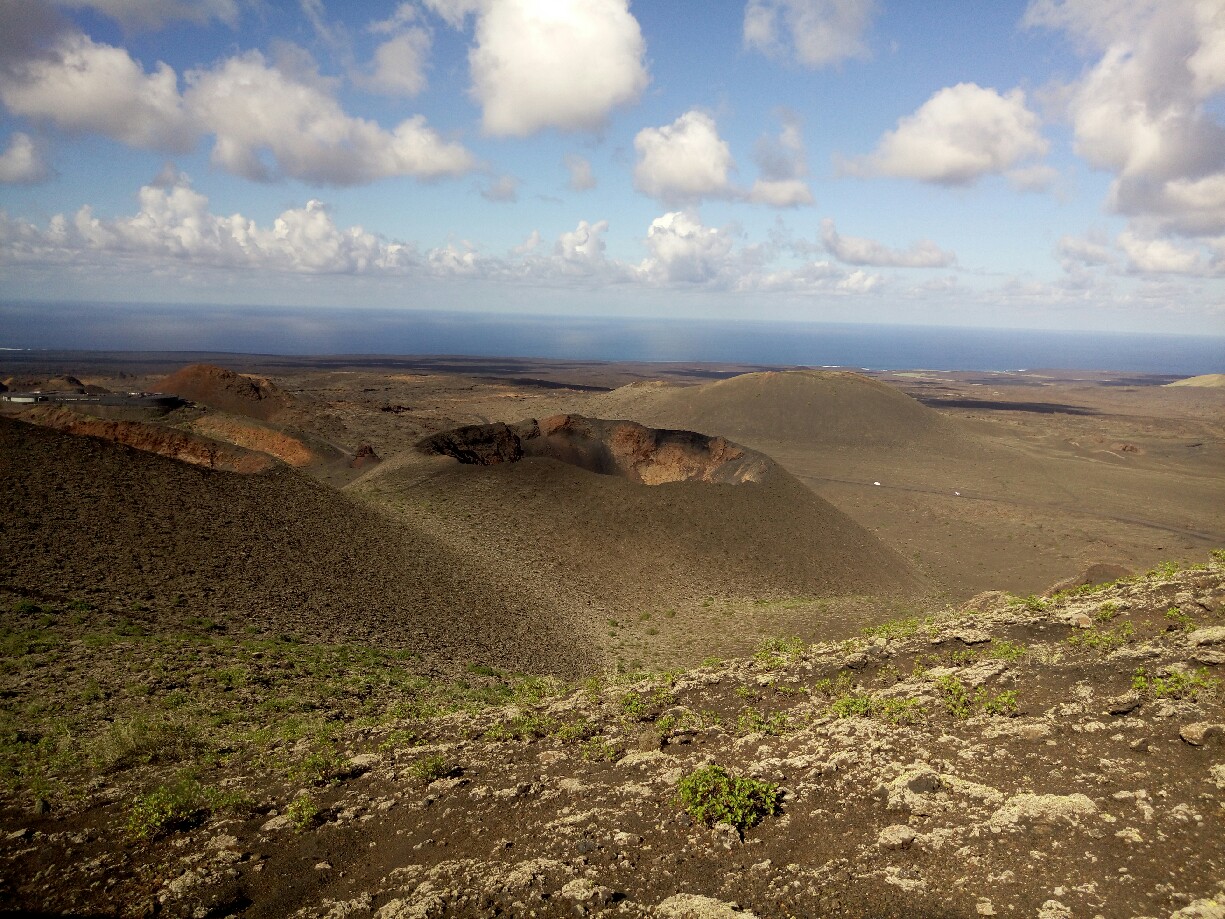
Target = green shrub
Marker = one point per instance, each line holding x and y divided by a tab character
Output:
961	703
864	705
774	653
751	721
1103	639
1006	651
166	808
714	795
302	812
431	768
1176	684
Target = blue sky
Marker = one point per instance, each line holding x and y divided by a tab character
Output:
1043	164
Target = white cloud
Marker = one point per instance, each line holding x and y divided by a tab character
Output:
1085	251
584	245
21	163
855	250
783	163
256	112
399	63
1147	110
502	189
454	12
531	244
581	176
1038	177
1159	256
564	64
80	85
956	137
683	161
153	14
174	225
683	250
815	33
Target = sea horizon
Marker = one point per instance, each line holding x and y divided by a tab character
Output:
322	331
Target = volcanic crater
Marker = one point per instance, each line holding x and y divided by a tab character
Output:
647	456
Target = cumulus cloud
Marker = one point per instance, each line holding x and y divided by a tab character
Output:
174	224
855	250
22	163
783	163
80	85
683	161
814	33
399	64
1159	256
564	64
257	112
956	137
153	14
684	250
581	176
583	245
1147	110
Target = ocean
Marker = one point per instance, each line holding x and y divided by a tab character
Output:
277	330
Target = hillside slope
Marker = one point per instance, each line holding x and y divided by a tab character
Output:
1031	758
635	546
798	406
274	551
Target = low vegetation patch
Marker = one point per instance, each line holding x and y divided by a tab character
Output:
960	702
1176	684
714	795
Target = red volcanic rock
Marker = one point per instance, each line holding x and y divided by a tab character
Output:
622	448
227	391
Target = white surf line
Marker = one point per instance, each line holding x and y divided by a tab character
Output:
1211	539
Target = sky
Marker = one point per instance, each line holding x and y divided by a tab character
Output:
1050	164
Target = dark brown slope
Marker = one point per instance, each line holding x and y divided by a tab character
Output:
634	546
83	517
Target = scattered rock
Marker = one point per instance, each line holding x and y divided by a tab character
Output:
1201	909
898	836
1042	810
694	906
1053	909
1203	734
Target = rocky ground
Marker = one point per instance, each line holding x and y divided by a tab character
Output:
1047	757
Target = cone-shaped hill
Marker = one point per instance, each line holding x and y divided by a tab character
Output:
274	551
674	516
797	406
227	391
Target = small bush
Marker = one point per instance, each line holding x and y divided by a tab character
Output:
302	812
961	703
1006	651
774	653
1179	620
1103	639
1176	684
751	721
599	750
431	768
864	705
166	808
714	795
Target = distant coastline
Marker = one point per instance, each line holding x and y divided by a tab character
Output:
280	330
